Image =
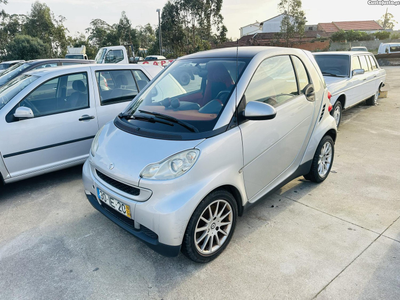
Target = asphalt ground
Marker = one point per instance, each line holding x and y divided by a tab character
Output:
335	240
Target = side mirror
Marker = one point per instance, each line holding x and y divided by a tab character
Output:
23	112
259	111
309	92
358	72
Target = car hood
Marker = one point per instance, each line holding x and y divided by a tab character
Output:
335	84
124	155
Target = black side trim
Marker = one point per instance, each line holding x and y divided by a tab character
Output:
47	147
301	170
142	234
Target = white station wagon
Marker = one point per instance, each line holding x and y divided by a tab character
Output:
48	118
351	77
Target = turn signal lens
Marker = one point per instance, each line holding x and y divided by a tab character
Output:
329	95
330	107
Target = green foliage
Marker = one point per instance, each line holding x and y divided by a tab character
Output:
382	35
101	34
293	21
82	40
387	21
27	47
187	26
395	35
351	35
41	23
146	36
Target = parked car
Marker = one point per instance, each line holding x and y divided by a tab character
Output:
351	77
49	117
7	64
154	57
26	66
179	165
359	48
389	48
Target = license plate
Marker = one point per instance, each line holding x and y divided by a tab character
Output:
113	203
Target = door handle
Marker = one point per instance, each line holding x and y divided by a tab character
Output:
86	117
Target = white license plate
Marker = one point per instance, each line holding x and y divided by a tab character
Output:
113	203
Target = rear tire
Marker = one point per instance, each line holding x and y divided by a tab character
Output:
322	161
211	227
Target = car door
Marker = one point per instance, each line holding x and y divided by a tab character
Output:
368	78
375	73
61	131
115	89
354	87
271	146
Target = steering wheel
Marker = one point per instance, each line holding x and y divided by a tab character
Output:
223	96
30	105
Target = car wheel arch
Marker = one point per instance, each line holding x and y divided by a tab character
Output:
332	133
342	99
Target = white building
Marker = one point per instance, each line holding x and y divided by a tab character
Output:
250	29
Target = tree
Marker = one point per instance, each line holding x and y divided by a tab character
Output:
82	40
382	35
293	20
146	36
41	23
26	47
387	21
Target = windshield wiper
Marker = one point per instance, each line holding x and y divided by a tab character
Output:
144	118
331	74
172	119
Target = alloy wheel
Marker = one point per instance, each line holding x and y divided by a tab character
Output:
213	227
325	159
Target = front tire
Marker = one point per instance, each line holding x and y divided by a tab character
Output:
211	227
322	161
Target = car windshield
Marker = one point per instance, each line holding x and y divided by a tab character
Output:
189	96
4	66
100	56
74	56
12	88
334	65
13	72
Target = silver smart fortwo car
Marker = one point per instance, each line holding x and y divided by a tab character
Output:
179	165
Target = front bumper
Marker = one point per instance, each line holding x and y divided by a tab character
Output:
143	233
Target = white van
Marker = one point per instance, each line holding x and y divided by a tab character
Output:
387	48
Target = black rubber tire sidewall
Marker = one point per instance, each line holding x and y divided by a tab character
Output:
188	245
313	174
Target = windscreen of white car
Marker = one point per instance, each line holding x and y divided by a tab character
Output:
12	88
334	65
189	96
13	72
100	56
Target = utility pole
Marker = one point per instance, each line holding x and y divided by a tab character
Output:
159	30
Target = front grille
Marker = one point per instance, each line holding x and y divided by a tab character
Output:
118	215
119	185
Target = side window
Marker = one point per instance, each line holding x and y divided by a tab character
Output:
58	95
364	64
116	86
302	76
355	63
49	65
274	82
114	56
141	79
373	63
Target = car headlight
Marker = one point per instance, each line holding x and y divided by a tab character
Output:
171	167
95	143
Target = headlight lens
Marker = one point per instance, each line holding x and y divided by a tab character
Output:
95	143
171	167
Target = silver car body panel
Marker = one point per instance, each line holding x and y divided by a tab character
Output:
223	160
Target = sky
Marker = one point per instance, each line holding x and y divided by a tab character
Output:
79	13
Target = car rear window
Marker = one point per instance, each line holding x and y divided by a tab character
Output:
333	64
